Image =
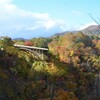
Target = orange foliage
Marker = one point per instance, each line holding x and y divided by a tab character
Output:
64	95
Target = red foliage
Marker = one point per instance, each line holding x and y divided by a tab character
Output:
28	43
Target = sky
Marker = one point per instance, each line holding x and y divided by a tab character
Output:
43	18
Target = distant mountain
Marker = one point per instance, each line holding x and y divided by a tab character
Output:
62	33
22	39
93	29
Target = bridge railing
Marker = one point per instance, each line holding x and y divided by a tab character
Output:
31	47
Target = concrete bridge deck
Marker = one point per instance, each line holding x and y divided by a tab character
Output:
30	47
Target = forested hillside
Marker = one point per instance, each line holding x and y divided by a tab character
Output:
70	72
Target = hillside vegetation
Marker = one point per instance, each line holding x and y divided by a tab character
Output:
70	72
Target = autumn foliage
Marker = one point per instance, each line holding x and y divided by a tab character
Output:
28	43
69	73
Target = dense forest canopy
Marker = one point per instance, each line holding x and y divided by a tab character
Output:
70	72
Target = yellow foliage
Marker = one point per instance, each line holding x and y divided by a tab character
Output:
98	44
71	53
52	69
